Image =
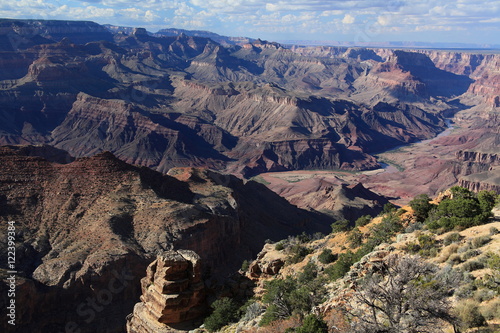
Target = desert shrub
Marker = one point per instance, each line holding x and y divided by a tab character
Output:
304	238
470	254
492	279
414	227
286	297
412	247
312	324
480	241
464	248
355	238
407	296
421	206
465	290
454	237
491	310
341	266
244	265
493	231
340	226
389	208
326	256
363	220
309	273
252	311
468	313
454	259
427	245
483	294
225	311
317	235
279	246
298	253
447	252
472	265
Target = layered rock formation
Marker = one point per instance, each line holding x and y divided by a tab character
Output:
88	229
172	293
187	101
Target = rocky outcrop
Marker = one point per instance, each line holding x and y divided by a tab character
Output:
488	181
172	293
478	157
89	228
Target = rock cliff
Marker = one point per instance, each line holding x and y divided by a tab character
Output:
187	101
88	229
172	293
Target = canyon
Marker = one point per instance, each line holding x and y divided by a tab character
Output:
145	167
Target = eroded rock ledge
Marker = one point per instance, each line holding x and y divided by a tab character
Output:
172	293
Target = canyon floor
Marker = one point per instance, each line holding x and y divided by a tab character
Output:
421	167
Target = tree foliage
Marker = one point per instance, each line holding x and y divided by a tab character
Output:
225	311
463	209
312	324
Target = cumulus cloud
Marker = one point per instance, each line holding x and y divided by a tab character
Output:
313	17
348	19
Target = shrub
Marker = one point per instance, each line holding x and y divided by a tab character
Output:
225	311
341	266
312	324
447	252
245	265
279	246
468	313
412	247
472	265
480	241
454	237
482	295
355	238
388	208
309	273
252	311
414	227
421	206
470	254
340	226
454	259
493	231
363	220
491	310
427	245
326	256
298	253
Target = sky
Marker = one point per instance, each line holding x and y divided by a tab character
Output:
455	21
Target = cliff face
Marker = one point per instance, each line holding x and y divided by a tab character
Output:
88	229
483	68
172	293
188	101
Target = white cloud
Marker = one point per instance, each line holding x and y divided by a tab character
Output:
348	19
314	17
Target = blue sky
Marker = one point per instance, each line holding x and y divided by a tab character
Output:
467	21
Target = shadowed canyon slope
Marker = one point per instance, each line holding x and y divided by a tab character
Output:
188	101
79	224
